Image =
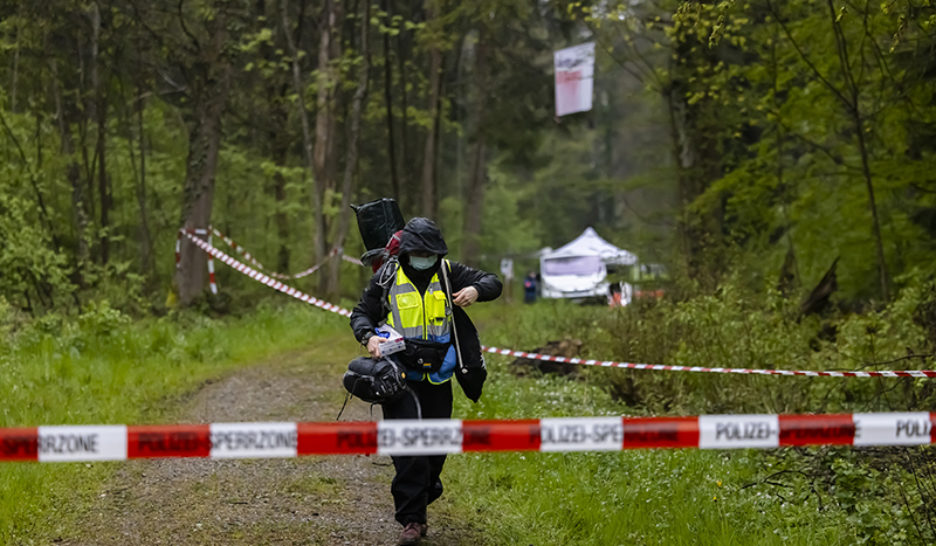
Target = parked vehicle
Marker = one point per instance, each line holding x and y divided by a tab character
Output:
578	270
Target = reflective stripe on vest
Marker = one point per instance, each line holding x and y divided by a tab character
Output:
418	316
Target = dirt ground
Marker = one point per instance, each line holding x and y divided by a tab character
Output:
309	500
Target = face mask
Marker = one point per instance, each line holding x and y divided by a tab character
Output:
421	264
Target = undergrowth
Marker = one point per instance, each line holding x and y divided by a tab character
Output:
816	495
102	368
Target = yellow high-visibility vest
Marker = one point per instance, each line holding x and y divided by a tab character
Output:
419	316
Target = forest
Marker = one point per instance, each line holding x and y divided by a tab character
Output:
778	158
760	138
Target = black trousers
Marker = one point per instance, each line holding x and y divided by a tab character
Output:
417	482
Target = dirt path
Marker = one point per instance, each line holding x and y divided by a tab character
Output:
309	500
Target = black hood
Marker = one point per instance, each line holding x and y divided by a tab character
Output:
422	234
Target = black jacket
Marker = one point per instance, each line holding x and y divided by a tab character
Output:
423	235
371	309
471	371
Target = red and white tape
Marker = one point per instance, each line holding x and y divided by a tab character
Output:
590	362
444	436
237	248
351	259
212	280
675	368
253	261
264	278
309	271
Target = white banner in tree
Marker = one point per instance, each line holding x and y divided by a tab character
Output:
506	268
575	70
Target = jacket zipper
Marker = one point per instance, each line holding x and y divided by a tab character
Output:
425	318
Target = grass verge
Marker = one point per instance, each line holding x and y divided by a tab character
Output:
816	495
103	369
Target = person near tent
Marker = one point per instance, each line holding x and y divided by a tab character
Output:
529	288
619	294
615	296
409	295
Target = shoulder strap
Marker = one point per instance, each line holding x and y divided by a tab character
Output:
386	276
448	294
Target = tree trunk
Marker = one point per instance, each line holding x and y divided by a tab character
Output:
850	99
407	186
883	276
100	153
474	191
65	113
318	185
388	100
282	222
209	97
429	155
853	105
324	126
350	167
695	152
16	57
146	239
790	270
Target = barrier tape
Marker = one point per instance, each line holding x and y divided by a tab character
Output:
306	272
237	248
253	261
264	278
594	362
212	281
676	368
351	259
443	436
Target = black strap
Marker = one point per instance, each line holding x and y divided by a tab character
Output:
347	397
448	294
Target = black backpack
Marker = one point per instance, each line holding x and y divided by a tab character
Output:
377	221
375	381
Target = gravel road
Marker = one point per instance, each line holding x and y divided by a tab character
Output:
311	500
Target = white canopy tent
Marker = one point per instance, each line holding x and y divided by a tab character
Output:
578	269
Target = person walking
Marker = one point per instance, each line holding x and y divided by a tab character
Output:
529	288
409	295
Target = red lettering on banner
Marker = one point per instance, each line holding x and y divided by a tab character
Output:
519	435
801	430
334	438
19	444
643	432
146	442
568	76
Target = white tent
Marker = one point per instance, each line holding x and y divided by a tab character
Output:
578	269
589	243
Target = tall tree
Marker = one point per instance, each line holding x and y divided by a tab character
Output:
432	129
326	82
353	138
204	59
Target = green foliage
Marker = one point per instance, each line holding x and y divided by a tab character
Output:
34	275
102	368
725	136
817	495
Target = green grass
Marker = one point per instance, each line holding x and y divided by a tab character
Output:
806	496
631	497
101	369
